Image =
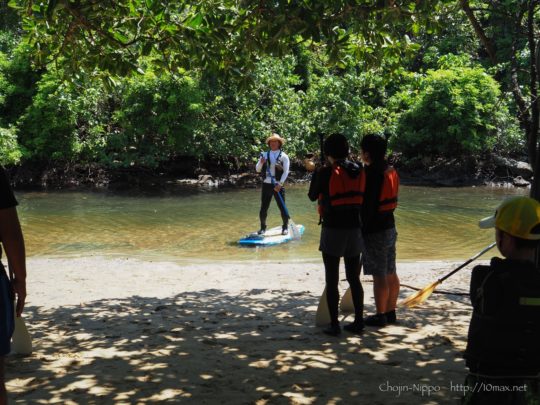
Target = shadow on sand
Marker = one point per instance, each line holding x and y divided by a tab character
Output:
257	347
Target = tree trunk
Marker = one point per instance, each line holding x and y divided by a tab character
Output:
486	42
535	187
535	110
524	116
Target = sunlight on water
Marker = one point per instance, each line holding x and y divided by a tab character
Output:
433	223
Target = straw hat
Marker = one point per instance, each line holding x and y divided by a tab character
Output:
275	137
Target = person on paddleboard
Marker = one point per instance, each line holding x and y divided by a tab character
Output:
338	188
274	168
12	241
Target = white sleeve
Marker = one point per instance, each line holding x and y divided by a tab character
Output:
285	160
259	165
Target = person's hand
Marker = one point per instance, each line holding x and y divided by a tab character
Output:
19	287
309	165
277	188
263	159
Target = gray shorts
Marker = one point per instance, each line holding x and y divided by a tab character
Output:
379	255
341	242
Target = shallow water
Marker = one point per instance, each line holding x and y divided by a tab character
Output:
433	224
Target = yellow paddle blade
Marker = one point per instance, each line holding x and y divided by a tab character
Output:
322	317
21	339
419	296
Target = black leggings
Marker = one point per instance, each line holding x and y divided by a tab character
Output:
266	197
352	271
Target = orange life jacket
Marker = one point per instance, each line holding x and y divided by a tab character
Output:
389	192
344	190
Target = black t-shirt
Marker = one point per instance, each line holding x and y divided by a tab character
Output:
372	220
7	199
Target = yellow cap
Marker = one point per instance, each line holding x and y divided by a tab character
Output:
517	216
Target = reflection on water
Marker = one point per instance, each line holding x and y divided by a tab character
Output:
433	223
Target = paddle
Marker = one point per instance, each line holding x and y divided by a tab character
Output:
322	317
21	341
346	306
424	293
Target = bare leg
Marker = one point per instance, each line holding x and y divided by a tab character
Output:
381	293
393	291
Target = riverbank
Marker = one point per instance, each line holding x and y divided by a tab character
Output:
185	173
127	331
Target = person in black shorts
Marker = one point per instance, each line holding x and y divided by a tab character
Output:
12	241
338	187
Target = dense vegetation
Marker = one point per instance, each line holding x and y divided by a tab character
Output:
447	98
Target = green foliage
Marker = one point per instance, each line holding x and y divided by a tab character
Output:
237	120
436	101
17	85
228	36
93	106
455	37
47	130
9	148
451	112
9	19
155	120
351	104
8	41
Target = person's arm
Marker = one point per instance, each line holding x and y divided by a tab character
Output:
286	163
260	163
13	242
315	185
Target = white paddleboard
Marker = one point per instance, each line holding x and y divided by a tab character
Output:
272	236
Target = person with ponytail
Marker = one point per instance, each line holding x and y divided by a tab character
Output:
379	228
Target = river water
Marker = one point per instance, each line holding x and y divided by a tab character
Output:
433	224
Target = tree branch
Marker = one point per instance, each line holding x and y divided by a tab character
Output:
486	42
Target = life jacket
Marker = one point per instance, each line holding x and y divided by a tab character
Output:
345	189
278	168
389	191
504	332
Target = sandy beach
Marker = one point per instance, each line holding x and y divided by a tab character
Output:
116	330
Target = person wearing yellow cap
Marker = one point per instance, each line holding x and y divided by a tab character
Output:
503	344
274	168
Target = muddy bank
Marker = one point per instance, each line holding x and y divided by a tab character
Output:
493	170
